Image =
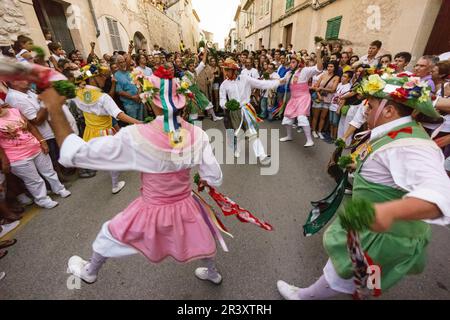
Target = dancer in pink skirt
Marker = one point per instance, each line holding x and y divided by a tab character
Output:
299	105
165	221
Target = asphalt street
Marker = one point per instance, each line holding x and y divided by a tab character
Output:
36	265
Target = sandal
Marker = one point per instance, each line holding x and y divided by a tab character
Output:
7	243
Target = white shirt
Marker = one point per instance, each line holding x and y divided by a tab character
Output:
198	70
340	91
359	119
146	71
28	104
253	73
241	89
128	151
105	106
304	75
373	63
417	169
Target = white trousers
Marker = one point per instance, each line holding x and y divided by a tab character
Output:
255	143
107	246
29	171
336	282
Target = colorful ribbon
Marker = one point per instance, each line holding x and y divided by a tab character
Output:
251	119
230	208
212	221
171	124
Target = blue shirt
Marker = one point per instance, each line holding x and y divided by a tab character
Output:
282	71
124	84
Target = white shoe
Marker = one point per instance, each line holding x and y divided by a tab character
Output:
64	193
321	136
300	130
47	203
348	192
77	267
24	200
216	118
237	154
266	161
309	144
119	187
285	139
315	135
2	275
7	228
204	274
287	291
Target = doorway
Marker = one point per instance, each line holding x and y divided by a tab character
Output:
439	41
288	35
51	16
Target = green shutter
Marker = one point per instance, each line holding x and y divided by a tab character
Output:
289	4
333	28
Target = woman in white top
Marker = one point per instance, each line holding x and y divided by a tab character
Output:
141	62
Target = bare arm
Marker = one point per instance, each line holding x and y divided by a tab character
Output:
41	116
127	119
35	132
408	209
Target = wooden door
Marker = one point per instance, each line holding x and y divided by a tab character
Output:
439	41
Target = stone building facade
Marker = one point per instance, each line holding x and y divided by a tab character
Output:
402	25
111	24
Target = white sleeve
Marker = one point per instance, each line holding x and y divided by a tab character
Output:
311	72
25	108
209	168
200	68
360	118
223	95
262	84
112	153
420	171
110	106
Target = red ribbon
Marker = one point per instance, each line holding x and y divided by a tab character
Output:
230	208
394	134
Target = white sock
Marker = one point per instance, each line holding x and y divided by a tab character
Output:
307	131
289	132
95	263
318	291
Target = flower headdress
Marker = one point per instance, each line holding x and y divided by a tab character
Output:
409	91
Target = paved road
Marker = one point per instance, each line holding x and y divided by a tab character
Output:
36	266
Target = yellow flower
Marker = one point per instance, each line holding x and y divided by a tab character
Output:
147	85
185	85
374	84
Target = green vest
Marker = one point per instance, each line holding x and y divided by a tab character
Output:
401	250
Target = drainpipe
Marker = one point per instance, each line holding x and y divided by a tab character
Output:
91	8
270	25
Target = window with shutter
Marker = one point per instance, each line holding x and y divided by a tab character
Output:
289	4
333	28
113	28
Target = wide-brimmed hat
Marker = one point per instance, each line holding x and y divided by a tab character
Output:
230	64
406	90
166	88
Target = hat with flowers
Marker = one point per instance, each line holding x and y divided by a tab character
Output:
407	90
